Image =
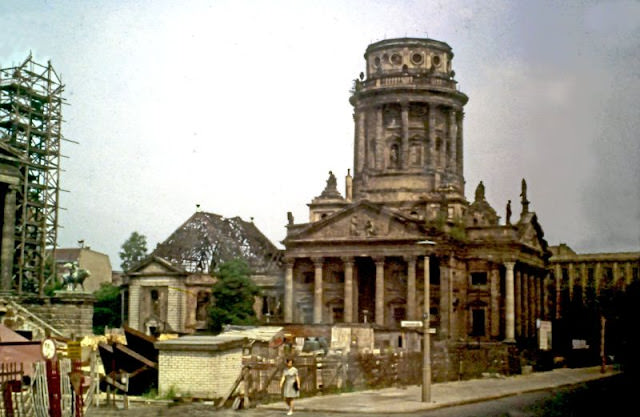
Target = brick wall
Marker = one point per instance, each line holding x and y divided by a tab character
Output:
200	374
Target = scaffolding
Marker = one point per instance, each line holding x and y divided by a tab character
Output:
30	135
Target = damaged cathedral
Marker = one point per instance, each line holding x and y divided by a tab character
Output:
404	222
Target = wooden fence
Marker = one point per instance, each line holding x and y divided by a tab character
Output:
260	381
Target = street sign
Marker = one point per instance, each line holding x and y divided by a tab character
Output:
411	323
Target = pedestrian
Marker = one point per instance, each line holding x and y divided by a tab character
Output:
291	382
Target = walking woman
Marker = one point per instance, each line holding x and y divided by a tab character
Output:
291	383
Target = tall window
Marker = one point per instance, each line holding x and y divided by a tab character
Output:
478	324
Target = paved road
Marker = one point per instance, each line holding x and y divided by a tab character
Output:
589	390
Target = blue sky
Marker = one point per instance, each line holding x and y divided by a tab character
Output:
242	107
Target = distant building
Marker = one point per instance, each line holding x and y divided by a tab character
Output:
575	275
170	291
97	263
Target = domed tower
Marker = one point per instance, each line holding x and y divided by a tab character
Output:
408	117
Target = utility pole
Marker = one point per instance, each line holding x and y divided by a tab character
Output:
426	349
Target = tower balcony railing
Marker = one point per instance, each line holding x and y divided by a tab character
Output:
405	80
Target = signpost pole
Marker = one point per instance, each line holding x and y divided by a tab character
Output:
426	350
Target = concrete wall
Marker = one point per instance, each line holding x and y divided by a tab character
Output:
198	373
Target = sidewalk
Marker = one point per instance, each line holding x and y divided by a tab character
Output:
407	400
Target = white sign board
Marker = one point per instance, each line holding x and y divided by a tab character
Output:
411	323
544	335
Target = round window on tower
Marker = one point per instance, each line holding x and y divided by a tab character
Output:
396	59
417	59
436	61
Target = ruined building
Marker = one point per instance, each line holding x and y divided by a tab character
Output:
404	220
171	290
30	135
404	230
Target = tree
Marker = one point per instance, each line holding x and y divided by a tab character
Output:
106	309
233	296
133	251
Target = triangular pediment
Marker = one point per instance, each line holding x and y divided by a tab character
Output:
154	265
530	233
360	222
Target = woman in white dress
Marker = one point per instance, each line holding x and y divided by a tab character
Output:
291	383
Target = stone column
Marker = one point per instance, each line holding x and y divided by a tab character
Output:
558	274
404	162
460	162
628	273
288	291
379	290
571	281
583	280
495	301
532	304
380	145
453	133
433	155
538	282
411	287
518	304
509	307
545	297
317	290
8	239
616	273
348	289
359	155
525	304
445	301
598	276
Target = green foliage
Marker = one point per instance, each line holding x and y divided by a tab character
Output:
106	310
133	251
234	294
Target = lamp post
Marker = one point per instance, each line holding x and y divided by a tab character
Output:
426	349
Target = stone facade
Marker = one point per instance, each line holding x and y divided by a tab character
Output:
163	297
67	314
404	230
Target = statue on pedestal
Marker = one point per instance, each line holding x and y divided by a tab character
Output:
75	276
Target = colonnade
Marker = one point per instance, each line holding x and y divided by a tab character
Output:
525	296
592	273
350	289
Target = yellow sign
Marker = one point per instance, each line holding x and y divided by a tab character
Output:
74	351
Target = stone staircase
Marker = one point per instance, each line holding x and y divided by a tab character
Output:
18	317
